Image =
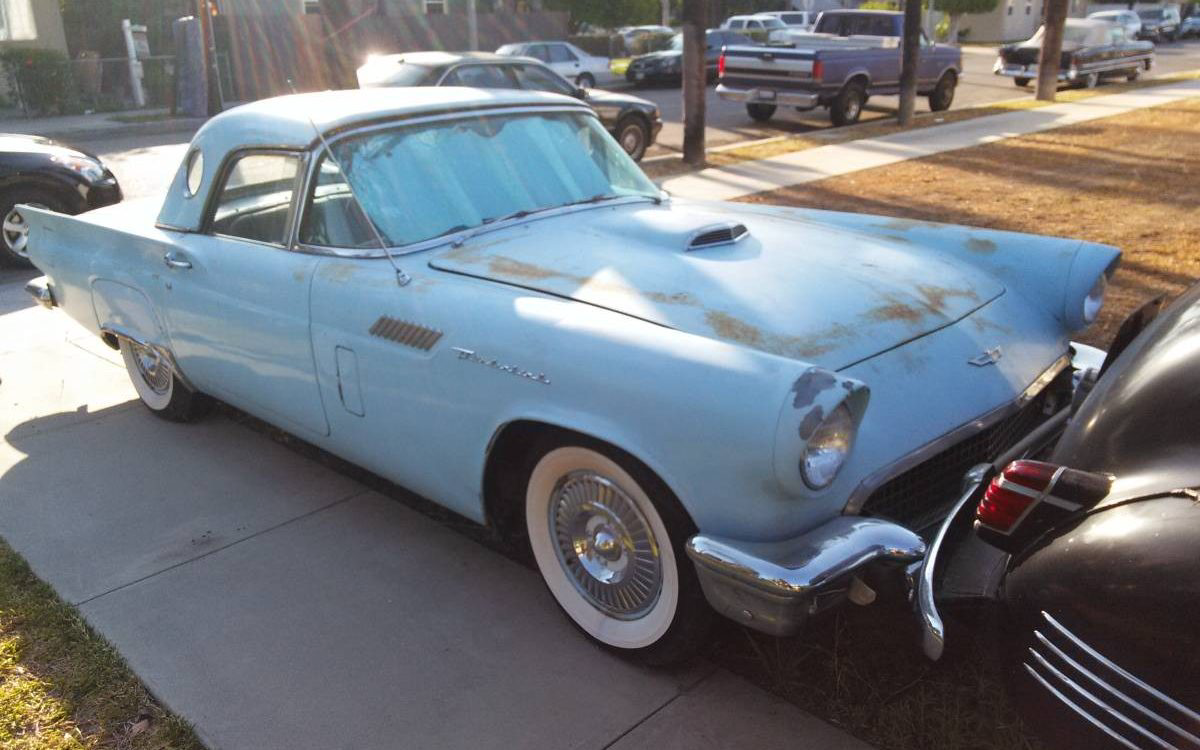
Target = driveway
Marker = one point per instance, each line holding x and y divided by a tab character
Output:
277	603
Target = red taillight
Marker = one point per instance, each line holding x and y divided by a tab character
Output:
818	70
721	64
1012	492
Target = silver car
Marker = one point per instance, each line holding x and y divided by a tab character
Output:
1127	19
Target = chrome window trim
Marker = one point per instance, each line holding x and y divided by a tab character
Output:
316	153
860	494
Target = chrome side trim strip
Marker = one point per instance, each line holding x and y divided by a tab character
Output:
1077	709
1114	713
1104	685
1124	673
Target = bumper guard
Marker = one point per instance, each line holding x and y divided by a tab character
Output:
41	292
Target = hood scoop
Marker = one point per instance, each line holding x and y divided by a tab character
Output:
715	235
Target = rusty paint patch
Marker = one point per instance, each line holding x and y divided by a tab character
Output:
983	325
896	310
501	265
811	421
338	272
904	225
934	297
981	245
732	329
810	385
504	266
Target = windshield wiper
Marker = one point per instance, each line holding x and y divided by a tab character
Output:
522	213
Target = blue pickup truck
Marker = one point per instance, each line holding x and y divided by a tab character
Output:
850	56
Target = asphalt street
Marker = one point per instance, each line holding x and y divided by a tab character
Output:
146	164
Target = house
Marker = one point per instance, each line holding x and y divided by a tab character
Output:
31	23
1011	21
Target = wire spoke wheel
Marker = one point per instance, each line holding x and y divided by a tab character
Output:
605	545
152	367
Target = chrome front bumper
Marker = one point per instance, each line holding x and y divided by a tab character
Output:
41	292
775	586
768	96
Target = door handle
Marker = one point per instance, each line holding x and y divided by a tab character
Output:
174	261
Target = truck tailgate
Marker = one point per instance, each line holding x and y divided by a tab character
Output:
773	68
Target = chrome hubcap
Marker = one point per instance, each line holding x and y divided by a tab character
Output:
16	231
152	368
631	139
605	545
852	108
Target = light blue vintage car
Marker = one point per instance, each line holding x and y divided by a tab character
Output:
678	404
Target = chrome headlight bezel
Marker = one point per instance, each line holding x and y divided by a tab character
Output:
1093	302
826	452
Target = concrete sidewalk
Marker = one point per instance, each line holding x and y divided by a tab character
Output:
99	125
747	178
276	603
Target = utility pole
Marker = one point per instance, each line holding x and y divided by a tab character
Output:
695	22
666	12
910	54
472	25
1050	58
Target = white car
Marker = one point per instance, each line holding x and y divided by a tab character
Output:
1130	21
563	58
798	20
760	27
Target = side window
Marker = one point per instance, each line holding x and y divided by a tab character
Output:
560	54
738	24
753	25
256	198
333	218
538	52
537	78
480	77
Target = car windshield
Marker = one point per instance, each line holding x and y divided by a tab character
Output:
677	43
422	181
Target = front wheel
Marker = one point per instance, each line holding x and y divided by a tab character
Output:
585	81
943	94
1022	82
760	112
634	137
14	242
848	104
1133	74
161	391
608	538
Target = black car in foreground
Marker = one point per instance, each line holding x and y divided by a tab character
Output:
44	173
633	121
1087	560
666	66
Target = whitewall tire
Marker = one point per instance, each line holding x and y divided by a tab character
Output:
157	386
601	535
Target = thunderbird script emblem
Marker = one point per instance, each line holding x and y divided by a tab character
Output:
989	357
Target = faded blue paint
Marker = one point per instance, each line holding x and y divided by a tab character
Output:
709	365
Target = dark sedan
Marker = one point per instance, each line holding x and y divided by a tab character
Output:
44	173
667	66
633	121
1091	50
1159	24
1088	559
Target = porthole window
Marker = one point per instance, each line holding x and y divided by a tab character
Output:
195	172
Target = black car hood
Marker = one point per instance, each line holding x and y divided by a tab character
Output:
597	96
17	143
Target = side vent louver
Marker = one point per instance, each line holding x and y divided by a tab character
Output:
403	332
721	234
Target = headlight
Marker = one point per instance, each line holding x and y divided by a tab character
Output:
1095	299
827	449
91	170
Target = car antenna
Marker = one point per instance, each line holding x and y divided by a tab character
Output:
402	277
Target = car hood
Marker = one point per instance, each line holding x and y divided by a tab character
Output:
598	96
791	286
36	144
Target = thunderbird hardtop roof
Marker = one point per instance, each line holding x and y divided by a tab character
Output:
289	122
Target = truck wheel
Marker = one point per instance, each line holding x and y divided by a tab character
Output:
608	538
847	105
1022	82
1133	74
160	390
760	112
1091	80
943	94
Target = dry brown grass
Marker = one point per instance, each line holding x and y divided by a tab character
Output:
1130	181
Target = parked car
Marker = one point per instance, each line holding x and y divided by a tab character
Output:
1160	24
679	406
798	20
633	121
630	33
44	173
1126	19
1189	27
827	69
1091	51
667	66
563	58
1086	561
762	28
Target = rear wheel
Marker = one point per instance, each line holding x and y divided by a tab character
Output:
1091	80
160	390
1133	74
634	137
848	104
943	94
608	538
14	243
1022	82
585	81
760	112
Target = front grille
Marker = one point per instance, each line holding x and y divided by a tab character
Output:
921	496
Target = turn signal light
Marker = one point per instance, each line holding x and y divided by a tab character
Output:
721	65
1022	486
818	70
